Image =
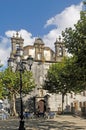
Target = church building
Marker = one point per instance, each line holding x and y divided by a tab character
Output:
43	56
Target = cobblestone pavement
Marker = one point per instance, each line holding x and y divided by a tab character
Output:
61	122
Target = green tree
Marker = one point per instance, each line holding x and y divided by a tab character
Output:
1	88
75	42
60	78
11	83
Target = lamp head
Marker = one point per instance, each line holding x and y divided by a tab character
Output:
30	60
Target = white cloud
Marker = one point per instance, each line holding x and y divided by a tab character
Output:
65	19
4	50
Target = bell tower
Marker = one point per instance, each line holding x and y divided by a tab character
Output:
16	43
59	49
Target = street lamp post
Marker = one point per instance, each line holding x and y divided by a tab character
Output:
21	126
20	66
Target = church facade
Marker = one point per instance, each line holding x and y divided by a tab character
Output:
43	57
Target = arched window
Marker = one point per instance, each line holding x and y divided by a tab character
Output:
60	51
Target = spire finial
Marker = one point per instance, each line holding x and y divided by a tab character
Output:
59	38
17	34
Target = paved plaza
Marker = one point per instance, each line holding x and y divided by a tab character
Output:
61	122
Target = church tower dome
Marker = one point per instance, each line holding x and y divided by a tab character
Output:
38	41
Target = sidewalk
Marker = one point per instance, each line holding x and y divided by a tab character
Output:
61	122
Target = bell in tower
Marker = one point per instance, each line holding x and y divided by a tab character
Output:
59	49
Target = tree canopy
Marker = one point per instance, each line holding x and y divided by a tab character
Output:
75	42
75	39
61	77
10	85
11	81
70	74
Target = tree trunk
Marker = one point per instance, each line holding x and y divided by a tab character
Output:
13	105
62	103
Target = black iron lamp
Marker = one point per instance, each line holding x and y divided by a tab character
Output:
20	66
30	61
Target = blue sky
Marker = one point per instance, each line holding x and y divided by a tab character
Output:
35	18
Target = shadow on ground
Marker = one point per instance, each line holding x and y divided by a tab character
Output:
51	125
41	124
